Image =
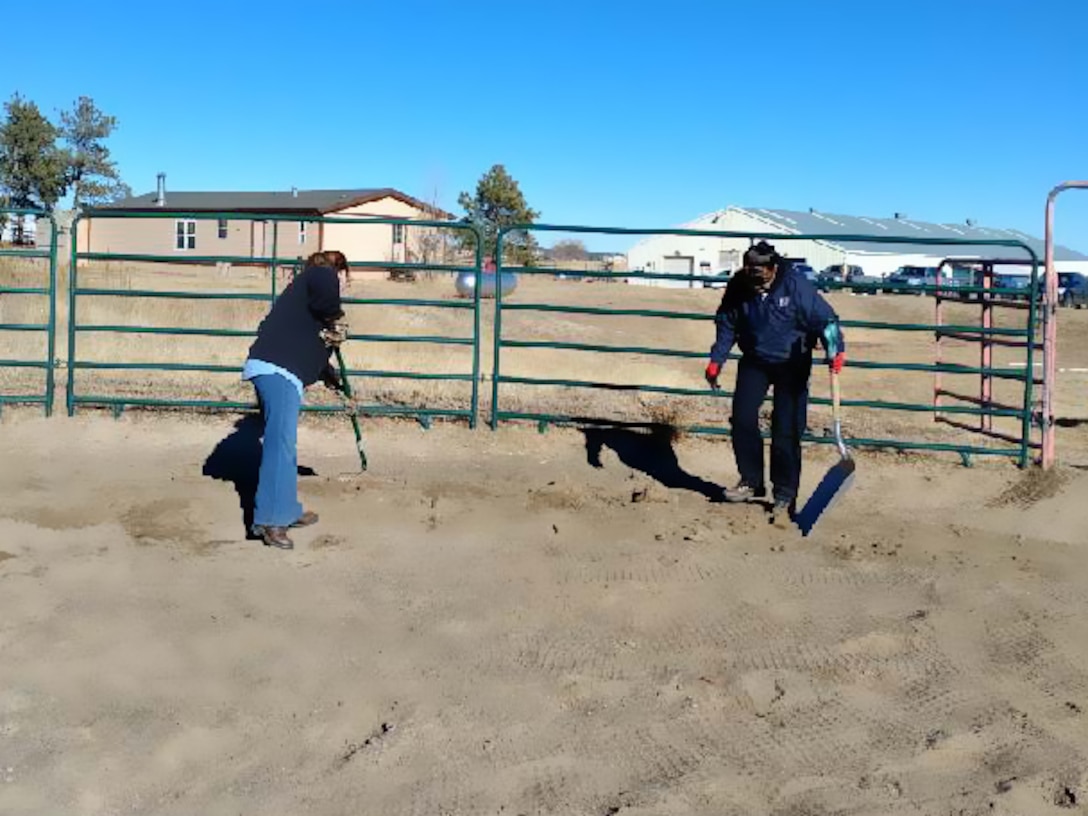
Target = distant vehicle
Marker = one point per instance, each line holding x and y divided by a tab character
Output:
722	277
838	273
845	275
1072	289
1020	283
923	277
962	277
804	269
910	277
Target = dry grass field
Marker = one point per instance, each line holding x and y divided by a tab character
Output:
874	345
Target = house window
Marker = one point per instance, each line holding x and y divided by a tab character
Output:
398	234
186	235
222	228
302	232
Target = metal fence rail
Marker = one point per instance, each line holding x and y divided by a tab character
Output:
47	362
1017	447
78	295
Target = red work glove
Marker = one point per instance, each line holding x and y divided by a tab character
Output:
837	362
713	371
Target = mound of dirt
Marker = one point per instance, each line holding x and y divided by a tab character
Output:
1033	487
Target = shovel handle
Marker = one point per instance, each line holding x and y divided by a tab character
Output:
836	415
354	417
836	396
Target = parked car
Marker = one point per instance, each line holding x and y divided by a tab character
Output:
909	277
846	275
962	277
804	269
1072	289
920	277
721	279
1019	283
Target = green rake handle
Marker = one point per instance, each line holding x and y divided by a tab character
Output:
354	415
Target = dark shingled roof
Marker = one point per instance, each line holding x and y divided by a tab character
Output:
308	202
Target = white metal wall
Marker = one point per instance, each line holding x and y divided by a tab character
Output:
651	254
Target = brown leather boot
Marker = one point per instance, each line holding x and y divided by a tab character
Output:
307	518
275	537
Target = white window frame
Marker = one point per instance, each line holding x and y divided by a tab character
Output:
184	234
222	228
302	232
398	234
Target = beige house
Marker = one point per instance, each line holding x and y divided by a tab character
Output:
186	225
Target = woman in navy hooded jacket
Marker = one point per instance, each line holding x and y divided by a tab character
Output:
291	352
774	315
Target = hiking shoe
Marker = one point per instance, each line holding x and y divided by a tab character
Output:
743	493
782	513
274	537
307	518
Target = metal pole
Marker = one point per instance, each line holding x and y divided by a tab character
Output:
51	341
73	284
939	321
496	330
476	290
986	391
1050	325
275	253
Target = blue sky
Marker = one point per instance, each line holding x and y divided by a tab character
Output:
615	113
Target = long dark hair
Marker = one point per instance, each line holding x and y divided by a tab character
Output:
331	258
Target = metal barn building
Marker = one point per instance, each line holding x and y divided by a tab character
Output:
703	255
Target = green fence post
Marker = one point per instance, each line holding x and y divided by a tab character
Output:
50	371
73	285
1029	380
497	331
476	327
275	253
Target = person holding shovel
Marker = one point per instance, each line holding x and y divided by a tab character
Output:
774	315
292	350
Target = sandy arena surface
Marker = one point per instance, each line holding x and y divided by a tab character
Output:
513	623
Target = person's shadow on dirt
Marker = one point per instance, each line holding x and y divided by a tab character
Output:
649	450
237	459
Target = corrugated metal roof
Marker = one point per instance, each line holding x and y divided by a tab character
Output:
827	223
312	202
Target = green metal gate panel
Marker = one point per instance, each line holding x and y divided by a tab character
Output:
34	292
79	295
1023	412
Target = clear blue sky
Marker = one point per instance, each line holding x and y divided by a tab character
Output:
613	113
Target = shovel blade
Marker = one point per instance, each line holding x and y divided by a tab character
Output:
835	483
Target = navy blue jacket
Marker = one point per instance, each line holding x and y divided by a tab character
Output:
290	334
781	326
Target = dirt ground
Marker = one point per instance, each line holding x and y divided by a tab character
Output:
515	623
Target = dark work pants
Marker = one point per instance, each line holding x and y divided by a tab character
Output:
788	422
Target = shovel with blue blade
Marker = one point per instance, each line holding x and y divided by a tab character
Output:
840	477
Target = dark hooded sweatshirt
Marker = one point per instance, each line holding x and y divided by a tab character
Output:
289	336
777	327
